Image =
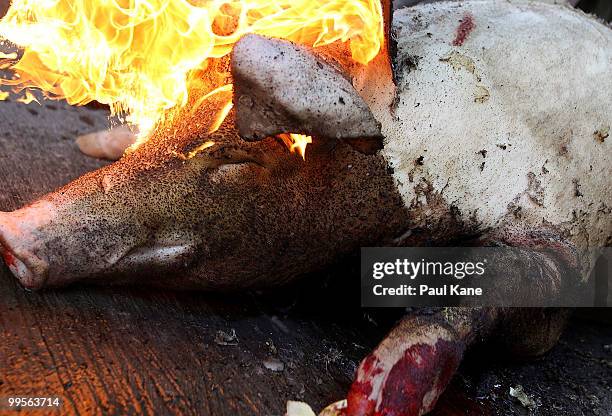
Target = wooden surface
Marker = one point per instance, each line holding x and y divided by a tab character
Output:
121	351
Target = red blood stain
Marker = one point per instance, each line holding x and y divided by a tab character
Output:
367	366
9	259
357	399
423	368
465	28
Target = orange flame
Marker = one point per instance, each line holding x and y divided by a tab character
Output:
296	142
140	56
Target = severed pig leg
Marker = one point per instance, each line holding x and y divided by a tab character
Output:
411	367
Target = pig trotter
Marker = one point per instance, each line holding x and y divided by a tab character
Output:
526	333
541	269
411	367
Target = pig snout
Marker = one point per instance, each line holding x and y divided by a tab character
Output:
73	234
20	246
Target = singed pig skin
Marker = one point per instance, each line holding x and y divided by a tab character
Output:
206	222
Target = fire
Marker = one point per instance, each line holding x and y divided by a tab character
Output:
141	56
297	142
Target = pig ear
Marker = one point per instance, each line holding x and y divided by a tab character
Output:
108	144
283	88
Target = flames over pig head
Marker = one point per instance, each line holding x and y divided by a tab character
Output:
211	198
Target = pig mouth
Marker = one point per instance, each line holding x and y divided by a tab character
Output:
28	268
18	267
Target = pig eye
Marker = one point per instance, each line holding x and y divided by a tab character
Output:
219	155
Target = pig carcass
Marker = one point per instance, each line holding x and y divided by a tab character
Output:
494	118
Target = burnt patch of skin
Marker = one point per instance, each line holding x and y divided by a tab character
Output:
515	210
534	191
418	163
482	153
433	221
466	26
577	192
404	65
602	134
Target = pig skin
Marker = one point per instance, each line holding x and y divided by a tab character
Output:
503	126
492	125
199	223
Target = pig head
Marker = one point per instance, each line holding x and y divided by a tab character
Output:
174	213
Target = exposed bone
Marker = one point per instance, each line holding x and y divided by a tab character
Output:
283	88
106	144
298	409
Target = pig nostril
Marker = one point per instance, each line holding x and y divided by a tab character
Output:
16	265
8	257
18	268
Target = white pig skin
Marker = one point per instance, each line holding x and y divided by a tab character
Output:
510	124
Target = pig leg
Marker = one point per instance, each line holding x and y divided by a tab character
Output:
411	367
